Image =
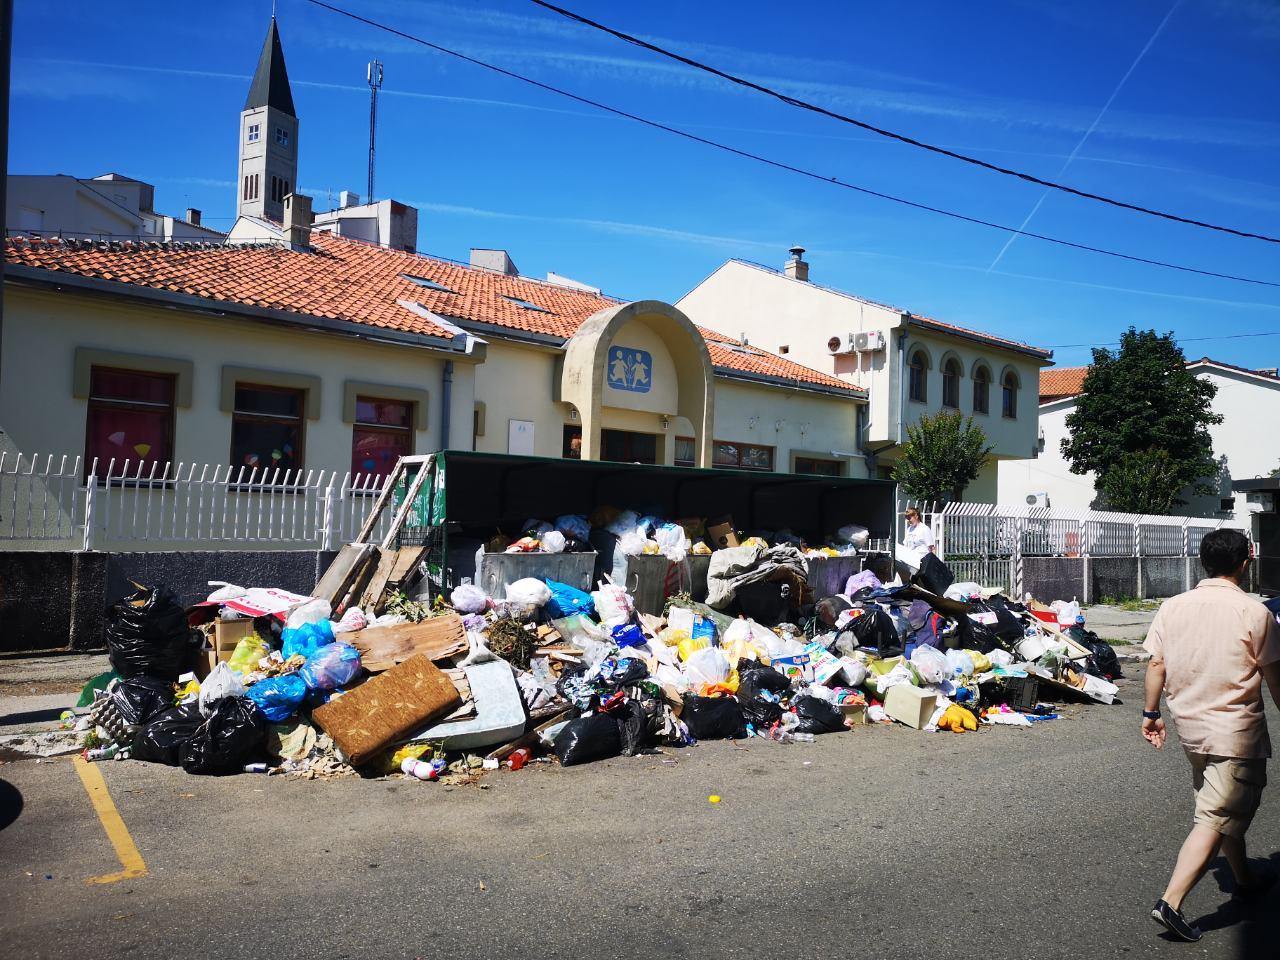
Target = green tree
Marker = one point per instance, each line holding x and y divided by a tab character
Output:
943	455
1137	400
1145	481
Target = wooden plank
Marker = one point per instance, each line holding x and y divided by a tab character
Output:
407	560
380	504
358	583
372	596
344	568
383	647
389	707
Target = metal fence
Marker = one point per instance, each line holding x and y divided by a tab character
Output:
49	502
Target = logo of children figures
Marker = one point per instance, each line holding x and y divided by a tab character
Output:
630	369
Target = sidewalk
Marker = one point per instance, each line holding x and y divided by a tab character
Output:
1119	626
36	688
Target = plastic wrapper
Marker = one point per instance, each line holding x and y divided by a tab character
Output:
161	739
672	541
147	633
613	604
593	737
574	525
633	544
963	591
901	673
855	534
960	662
628	635
712	718
306	639
354	619
221	682
817	715
232	735
566	601
706	668
313	611
244	658
553	541
528	592
278	697
1000	658
932	665
224	592
332	666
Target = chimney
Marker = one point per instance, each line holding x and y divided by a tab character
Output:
797	268
496	260
193	216
297	221
348	198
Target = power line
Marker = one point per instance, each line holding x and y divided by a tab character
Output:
1225	336
902	138
779	164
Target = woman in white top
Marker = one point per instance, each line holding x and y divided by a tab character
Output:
919	537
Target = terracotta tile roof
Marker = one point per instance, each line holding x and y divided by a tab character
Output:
1059	382
357	282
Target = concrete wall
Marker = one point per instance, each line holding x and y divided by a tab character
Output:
1049	473
794	422
774	311
73	209
58	599
43	329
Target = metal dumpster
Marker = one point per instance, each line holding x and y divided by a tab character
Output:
497	570
828	575
651	579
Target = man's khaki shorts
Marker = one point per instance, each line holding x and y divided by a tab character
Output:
1228	791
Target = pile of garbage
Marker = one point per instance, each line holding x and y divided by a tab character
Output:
263	680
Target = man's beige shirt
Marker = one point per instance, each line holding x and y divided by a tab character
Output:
1214	641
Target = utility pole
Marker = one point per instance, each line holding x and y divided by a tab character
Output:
375	84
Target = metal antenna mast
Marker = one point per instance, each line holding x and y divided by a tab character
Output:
375	84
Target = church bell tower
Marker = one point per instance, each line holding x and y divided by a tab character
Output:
268	137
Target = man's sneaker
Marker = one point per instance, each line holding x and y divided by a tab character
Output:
1173	921
1263	880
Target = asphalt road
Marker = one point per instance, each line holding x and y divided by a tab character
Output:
1049	843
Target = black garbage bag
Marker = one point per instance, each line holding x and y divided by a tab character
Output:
634	733
1009	627
633	670
162	739
138	699
875	628
594	737
227	740
147	633
767	602
1103	661
759	711
817	715
934	575
712	718
828	610
754	676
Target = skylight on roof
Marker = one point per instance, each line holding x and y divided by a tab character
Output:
527	305
429	284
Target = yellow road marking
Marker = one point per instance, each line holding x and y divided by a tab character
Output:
126	851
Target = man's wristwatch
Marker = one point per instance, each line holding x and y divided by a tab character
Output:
1150	714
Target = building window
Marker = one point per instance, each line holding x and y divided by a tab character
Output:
951	384
981	390
130	419
251	186
818	466
279	189
743	456
266	427
685	452
255	129
784	349
282	136
381	435
916	386
1009	396
626	446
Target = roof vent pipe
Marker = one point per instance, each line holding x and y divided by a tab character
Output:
797	268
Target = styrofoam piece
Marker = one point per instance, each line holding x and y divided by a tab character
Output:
499	715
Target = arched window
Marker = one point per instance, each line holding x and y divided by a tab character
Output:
1009	395
981	390
951	383
916	385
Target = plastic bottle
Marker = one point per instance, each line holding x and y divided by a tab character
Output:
256	768
802	737
101	753
422	769
519	758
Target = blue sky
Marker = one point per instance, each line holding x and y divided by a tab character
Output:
491	162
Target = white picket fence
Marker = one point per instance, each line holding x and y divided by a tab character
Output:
56	502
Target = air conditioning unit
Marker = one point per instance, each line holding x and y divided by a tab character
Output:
1037	499
840	343
870	341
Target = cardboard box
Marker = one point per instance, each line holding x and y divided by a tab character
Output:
722	534
910	705
227	633
854	712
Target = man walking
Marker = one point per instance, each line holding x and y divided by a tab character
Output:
1211	648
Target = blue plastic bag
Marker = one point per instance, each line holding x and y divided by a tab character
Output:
704	627
278	697
566	601
332	666
306	639
574	525
628	635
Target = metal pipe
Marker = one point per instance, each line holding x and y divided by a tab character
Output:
446	404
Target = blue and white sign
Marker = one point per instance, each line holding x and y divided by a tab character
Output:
630	369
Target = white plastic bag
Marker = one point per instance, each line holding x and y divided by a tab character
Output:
960	664
313	611
480	652
553	542
901	673
633	544
625	522
673	542
613	604
528	592
468	598
1000	658
226	591
855	534
221	682
853	671
706	667
963	591
1067	612
353	619
932	664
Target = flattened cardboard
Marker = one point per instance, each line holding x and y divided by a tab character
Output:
383	647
